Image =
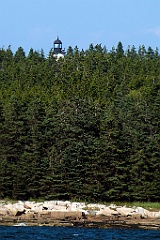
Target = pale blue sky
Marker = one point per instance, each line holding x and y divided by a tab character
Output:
36	23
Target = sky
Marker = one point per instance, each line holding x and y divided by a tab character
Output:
37	23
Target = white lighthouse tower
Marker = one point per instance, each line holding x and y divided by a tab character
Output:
58	52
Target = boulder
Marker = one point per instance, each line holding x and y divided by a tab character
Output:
37	208
26	206
48	205
3	212
125	211
92	212
16	209
148	214
19	207
107	212
12	211
141	212
156	214
29	205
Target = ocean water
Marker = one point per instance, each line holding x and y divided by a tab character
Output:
70	233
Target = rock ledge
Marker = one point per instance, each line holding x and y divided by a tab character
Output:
77	214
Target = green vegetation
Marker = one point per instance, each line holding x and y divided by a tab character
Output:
86	127
151	206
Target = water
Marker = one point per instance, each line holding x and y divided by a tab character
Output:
69	233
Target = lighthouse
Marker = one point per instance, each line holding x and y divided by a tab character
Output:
58	52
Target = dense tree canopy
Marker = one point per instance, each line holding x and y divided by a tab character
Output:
86	127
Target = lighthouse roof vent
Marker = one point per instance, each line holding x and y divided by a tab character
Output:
57	41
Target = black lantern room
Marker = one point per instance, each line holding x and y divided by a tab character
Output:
57	46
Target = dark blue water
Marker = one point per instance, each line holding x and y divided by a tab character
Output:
69	233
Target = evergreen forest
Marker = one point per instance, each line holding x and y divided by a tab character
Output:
85	127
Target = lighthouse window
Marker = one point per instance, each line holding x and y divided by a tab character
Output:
57	45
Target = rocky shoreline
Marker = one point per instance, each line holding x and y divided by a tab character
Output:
76	214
